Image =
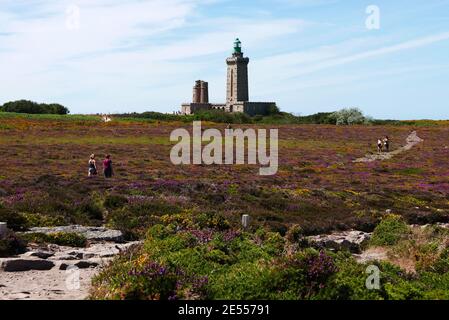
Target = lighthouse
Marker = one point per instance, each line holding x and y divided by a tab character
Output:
237	90
237	79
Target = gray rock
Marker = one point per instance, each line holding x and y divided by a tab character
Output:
63	257
347	240
76	254
17	264
39	254
83	264
89	255
91	233
370	256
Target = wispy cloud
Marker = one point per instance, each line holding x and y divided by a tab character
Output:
303	63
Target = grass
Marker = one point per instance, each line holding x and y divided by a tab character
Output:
318	189
86	140
43	117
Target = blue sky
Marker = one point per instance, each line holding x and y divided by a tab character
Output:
108	56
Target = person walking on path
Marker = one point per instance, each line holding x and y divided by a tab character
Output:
92	166
387	144
107	167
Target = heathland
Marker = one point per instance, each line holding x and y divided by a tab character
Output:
189	217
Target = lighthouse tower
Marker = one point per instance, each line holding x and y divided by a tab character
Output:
237	80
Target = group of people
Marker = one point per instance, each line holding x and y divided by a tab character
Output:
383	145
107	167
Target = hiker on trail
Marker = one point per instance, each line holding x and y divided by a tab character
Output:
107	167
92	166
387	144
379	145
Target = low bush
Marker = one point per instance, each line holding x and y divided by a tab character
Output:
25	106
273	116
61	238
11	245
114	201
14	220
350	116
390	231
134	221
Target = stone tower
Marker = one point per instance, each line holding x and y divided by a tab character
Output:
237	81
201	92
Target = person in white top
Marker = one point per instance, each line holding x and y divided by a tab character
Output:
379	145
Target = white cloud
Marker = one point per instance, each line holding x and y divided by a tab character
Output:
119	53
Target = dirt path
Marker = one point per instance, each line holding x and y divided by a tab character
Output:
411	141
45	285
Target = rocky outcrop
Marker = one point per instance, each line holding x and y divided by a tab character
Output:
346	240
90	233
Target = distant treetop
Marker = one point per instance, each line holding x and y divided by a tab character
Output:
25	106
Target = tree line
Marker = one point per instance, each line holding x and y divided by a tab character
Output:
274	116
26	106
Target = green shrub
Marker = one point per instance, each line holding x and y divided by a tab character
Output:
60	238
222	116
25	106
273	116
212	220
295	234
274	244
441	266
403	290
39	220
136	217
133	226
243	281
115	201
349	117
89	209
14	220
11	245
390	230
307	272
